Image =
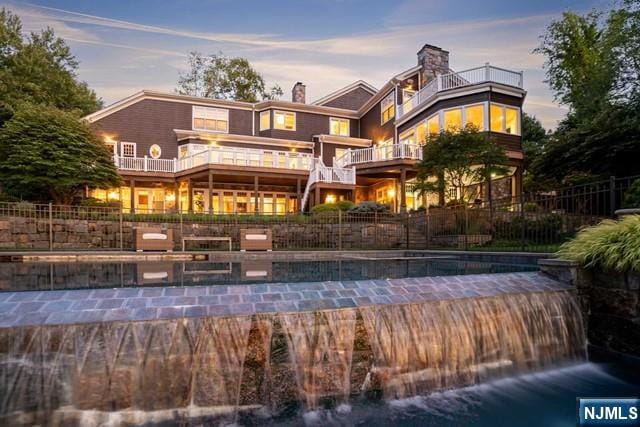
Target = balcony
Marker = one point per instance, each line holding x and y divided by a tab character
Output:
379	153
199	154
484	74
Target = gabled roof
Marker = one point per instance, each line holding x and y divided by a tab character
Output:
338	93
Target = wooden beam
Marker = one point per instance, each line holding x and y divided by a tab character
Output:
132	187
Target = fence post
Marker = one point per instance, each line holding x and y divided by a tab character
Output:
612	195
375	229
407	227
121	228
50	227
339	230
522	225
466	227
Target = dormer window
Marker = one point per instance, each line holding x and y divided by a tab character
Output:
387	109
211	119
284	120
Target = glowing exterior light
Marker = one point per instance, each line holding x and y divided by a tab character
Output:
113	195
331	198
391	192
170	197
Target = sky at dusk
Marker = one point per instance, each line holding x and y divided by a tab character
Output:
126	46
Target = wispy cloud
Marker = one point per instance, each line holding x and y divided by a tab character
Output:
120	56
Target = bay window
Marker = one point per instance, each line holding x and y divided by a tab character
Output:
433	125
474	116
453	119
505	119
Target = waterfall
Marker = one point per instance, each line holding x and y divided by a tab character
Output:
227	368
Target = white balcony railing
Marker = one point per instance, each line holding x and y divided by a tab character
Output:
486	73
379	153
331	175
199	154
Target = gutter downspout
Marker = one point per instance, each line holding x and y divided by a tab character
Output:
253	120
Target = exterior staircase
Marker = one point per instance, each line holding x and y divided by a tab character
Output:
323	174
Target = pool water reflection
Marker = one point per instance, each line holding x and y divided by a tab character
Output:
75	275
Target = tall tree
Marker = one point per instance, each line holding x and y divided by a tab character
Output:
593	67
48	154
534	139
39	69
457	159
220	77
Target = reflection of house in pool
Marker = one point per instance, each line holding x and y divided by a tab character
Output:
212	369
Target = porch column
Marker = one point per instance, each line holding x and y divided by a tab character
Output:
210	191
256	195
132	186
299	195
190	195
403	190
518	179
176	193
317	196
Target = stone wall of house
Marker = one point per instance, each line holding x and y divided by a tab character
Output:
19	233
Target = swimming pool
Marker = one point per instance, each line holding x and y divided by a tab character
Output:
31	276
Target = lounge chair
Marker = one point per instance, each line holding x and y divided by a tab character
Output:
153	239
256	239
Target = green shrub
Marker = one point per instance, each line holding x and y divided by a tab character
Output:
98	203
345	205
538	229
612	244
370	207
324	207
632	195
531	207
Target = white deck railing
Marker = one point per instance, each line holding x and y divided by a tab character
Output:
486	73
199	154
331	175
379	153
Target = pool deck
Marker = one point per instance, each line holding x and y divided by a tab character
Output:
33	308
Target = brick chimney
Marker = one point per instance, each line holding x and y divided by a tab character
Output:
298	93
434	61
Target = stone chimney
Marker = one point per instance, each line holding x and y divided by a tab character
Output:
434	61
298	93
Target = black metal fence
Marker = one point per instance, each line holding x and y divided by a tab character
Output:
534	222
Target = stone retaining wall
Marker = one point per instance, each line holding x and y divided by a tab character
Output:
610	302
17	233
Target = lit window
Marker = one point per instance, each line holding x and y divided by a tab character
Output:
128	149
408	137
421	133
210	119
505	119
433	125
155	151
183	151
474	116
112	147
265	120
284	120
387	109
453	119
511	121
339	126
497	118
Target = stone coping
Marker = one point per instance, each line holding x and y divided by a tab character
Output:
116	256
33	308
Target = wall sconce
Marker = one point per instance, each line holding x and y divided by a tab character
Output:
391	193
113	195
331	198
170	197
